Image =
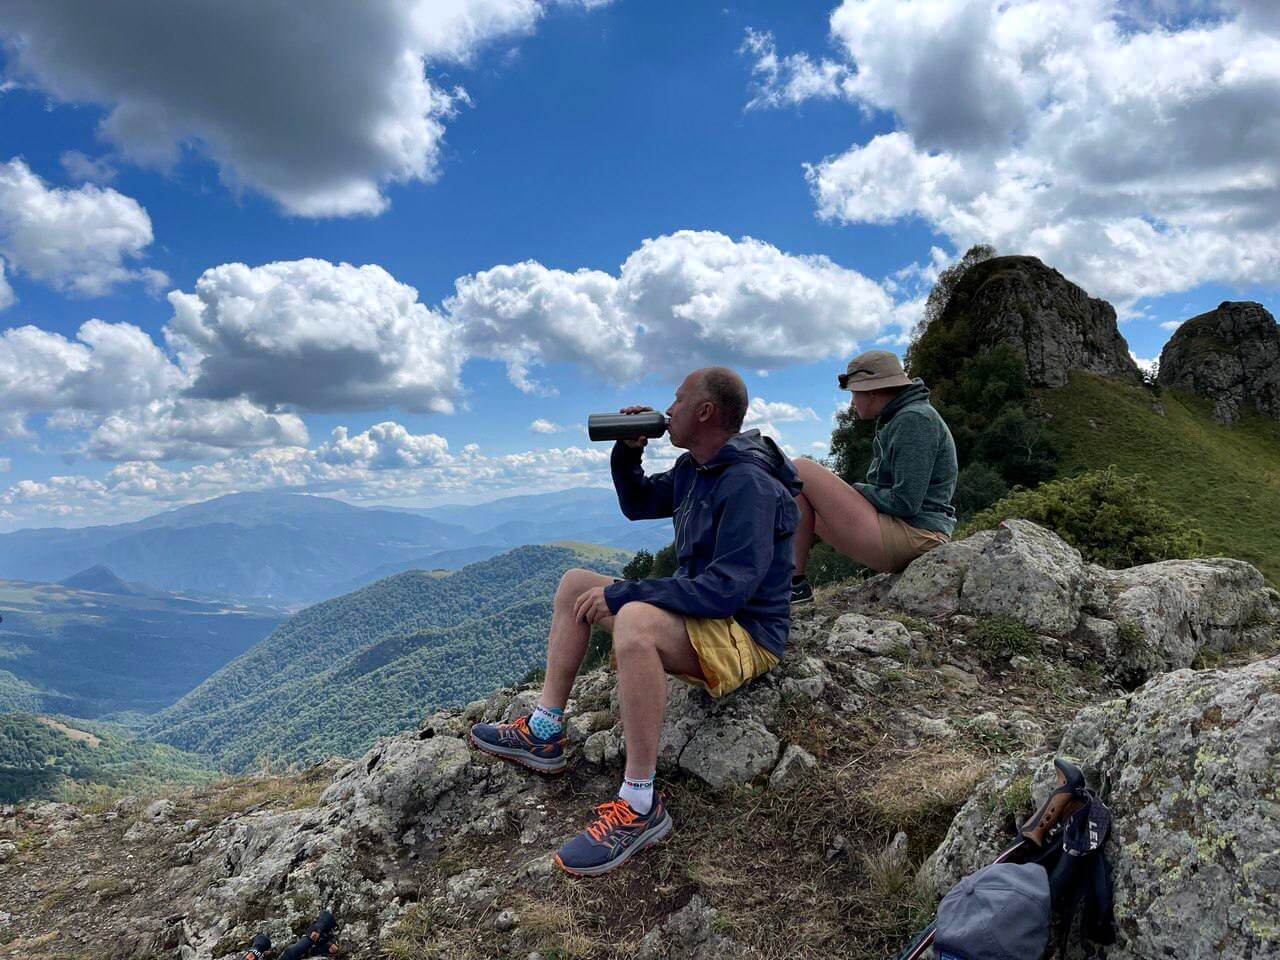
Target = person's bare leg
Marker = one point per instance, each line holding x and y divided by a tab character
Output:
649	643
567	642
842	516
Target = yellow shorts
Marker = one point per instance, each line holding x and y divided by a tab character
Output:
727	654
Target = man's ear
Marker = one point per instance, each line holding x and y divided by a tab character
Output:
706	410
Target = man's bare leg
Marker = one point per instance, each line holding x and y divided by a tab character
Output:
567	642
649	643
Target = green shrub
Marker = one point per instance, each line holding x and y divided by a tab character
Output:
1112	519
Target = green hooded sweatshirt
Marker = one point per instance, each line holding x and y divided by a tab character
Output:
913	469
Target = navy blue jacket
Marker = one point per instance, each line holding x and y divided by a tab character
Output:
735	518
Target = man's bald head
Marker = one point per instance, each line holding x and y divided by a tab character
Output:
728	391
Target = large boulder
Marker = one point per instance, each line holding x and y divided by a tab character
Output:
1050	321
1190	767
1188	607
1019	569
1028	572
1230	355
1136	621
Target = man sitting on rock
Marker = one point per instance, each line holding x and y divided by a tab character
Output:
719	621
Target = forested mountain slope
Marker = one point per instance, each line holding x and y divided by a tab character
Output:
336	675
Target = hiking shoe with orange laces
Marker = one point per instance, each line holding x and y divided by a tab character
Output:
516	742
617	833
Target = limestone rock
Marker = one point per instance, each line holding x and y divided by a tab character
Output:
796	765
1183	607
931	584
687	935
726	750
855	634
1050	321
1030	573
1187	765
390	787
1230	355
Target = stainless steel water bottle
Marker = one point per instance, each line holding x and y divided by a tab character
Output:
626	426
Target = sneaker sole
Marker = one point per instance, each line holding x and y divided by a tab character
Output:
647	839
520	757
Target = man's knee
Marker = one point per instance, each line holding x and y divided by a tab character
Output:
637	627
574	584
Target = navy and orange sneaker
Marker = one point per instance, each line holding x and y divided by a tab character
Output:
516	742
617	833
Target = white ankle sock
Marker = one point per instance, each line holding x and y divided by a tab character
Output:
637	793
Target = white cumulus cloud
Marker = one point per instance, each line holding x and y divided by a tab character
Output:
317	105
383	446
541	425
1140	158
184	429
680	301
108	366
385	463
77	241
318	335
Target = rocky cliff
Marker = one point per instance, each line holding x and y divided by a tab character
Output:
1053	323
910	724
1230	355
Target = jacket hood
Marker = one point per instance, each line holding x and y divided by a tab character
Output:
753	447
907	395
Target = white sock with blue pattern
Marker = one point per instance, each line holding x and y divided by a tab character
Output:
546	722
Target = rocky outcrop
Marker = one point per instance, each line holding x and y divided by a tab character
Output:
1137	621
422	836
1053	323
1190	767
1230	355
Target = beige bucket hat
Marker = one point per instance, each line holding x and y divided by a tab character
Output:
874	370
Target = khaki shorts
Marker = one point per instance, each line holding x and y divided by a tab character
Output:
903	542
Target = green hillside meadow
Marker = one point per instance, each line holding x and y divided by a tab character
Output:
1225	478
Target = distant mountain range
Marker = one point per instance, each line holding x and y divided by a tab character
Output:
294	549
95	644
337	675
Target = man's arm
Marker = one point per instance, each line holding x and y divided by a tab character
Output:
911	460
743	553
639	496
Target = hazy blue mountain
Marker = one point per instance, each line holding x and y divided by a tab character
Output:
100	579
335	676
285	547
89	652
587	514
292	549
441	560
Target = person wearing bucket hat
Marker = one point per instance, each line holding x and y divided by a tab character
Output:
904	508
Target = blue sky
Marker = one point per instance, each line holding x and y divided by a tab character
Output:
585	129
